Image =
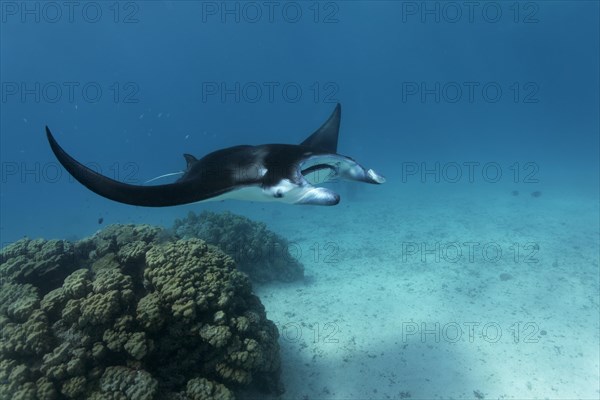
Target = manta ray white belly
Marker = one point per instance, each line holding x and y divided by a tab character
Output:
284	192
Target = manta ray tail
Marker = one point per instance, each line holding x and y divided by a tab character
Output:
149	196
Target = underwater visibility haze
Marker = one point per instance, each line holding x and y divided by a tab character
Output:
163	170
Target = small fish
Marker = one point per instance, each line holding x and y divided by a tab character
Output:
100	221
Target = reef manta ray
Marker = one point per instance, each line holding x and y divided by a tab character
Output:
268	172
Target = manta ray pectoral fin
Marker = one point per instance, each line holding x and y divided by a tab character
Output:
326	137
149	196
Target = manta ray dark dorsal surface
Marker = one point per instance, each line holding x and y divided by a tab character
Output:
148	196
268	172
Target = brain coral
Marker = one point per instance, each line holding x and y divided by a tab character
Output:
262	254
138	316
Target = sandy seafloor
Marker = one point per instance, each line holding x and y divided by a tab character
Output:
378	324
371	321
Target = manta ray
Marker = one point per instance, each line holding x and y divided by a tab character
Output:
270	172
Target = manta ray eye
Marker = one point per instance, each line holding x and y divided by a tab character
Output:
278	194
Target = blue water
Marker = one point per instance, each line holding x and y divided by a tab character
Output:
168	71
453	105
